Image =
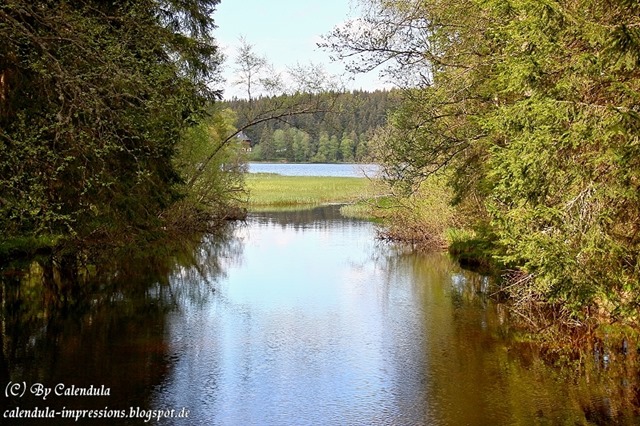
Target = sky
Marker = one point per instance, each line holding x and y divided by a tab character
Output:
286	33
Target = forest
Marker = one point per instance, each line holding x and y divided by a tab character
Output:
338	134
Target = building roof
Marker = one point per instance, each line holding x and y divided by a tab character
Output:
243	137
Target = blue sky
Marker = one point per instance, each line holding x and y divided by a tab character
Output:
285	32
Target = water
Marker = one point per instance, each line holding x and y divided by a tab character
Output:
296	318
303	169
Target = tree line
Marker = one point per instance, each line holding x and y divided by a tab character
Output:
530	110
340	133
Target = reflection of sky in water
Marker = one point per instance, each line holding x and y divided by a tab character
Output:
303	331
460	283
301	318
308	320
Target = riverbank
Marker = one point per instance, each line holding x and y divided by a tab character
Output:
426	220
304	268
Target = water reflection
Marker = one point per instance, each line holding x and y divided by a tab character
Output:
296	318
319	324
319	217
107	327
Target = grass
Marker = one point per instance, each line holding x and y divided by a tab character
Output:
268	191
378	207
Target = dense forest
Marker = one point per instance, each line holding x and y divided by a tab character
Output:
339	134
530	111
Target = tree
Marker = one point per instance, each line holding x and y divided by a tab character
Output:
531	108
333	153
345	117
297	102
347	149
301	146
94	98
254	72
218	190
564	160
323	155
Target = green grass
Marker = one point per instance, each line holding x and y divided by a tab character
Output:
377	207
269	191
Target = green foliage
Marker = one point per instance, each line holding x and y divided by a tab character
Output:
339	132
218	185
94	97
421	218
25	246
473	250
532	106
563	167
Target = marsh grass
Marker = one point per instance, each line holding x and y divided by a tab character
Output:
419	219
268	191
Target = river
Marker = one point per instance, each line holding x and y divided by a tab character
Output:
292	318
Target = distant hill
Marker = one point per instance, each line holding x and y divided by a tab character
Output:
341	135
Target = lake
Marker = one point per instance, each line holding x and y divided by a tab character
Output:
313	169
292	318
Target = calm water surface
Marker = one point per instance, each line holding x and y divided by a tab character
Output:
304	169
298	318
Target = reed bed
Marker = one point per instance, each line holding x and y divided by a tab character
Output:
269	191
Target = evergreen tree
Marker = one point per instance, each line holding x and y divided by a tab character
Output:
531	106
301	147
324	149
333	152
94	97
347	150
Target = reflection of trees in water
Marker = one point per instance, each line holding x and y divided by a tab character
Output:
473	354
318	218
75	321
194	280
